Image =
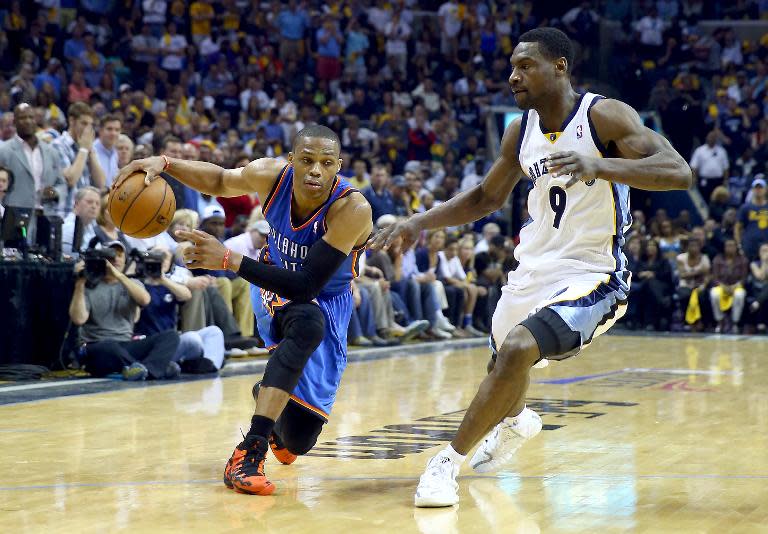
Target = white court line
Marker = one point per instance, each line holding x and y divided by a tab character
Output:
708	372
25	387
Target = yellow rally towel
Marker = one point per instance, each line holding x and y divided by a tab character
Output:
726	301
693	312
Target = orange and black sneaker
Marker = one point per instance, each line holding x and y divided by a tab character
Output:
283	455
245	469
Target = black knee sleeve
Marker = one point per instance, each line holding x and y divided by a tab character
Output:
298	429
301	328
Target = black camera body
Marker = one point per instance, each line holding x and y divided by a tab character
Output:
96	263
149	263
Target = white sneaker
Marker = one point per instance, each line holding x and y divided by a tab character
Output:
437	486
501	443
541	364
443	323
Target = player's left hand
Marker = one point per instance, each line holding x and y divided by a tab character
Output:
579	166
206	251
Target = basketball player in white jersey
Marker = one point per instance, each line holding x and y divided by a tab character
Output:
582	154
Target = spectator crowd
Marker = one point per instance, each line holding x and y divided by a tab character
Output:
87	86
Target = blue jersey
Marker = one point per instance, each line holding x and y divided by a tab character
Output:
287	247
289	241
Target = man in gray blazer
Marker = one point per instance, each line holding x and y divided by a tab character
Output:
36	165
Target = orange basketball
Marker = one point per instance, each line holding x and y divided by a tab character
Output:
142	211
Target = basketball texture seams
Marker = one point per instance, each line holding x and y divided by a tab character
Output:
142	211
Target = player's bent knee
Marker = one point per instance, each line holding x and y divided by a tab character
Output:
304	325
519	351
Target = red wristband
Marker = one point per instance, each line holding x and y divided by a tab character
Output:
167	162
225	262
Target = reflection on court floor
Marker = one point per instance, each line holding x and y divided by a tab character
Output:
641	434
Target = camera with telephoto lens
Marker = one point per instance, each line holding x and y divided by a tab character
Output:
95	263
149	263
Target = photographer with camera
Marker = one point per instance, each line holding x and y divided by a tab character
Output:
106	304
200	351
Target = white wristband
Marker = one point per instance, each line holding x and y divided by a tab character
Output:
84	150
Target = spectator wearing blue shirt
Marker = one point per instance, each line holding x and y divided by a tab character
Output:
357	45
292	21
50	76
329	41
377	194
92	60
75	45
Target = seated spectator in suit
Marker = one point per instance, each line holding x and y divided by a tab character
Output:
729	274
107	310
33	165
6	178
86	209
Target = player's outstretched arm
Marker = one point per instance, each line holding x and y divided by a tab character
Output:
258	176
349	225
466	207
646	160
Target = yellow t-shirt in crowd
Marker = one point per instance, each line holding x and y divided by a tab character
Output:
200	27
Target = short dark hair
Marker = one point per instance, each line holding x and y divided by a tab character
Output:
317	130
552	42
498	241
170	139
111	117
79	109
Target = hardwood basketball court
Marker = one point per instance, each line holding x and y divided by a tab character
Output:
642	434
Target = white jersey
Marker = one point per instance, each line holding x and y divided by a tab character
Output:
576	229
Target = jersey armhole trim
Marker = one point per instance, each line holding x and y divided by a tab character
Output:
523	124
599	144
275	188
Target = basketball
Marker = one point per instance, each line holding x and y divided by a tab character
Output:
142	211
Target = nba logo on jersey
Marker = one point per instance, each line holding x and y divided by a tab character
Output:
314	227
579	133
553	137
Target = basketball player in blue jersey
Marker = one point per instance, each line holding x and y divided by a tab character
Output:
582	152
302	297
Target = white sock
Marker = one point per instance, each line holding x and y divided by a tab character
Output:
453	455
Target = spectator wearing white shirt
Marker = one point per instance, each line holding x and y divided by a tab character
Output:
105	146
86	209
154	15
250	242
650	29
452	273
731	53
710	165
426	92
450	26
490	230
173	49
397	32
255	90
